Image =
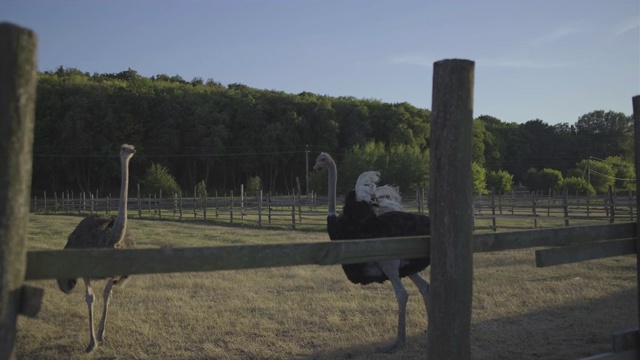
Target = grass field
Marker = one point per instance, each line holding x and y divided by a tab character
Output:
313	312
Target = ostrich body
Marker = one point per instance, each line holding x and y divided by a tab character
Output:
102	231
367	214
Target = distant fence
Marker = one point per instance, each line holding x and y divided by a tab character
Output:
515	210
532	208
261	209
255	208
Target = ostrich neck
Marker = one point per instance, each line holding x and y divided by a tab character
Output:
333	179
120	226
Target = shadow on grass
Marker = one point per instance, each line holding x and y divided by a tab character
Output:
568	332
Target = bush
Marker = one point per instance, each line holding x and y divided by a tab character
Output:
158	181
550	179
602	175
254	184
579	186
201	189
500	181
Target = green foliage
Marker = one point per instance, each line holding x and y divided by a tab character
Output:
158	180
200	129
404	166
600	174
254	184
579	186
201	189
601	134
479	178
625	172
371	156
501	182
550	179
531	180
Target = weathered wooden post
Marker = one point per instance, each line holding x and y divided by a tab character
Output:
636	123
18	79
450	208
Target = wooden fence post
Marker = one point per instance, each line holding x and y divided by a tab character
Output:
534	208
18	79
565	206
231	209
260	208
493	210
636	123
612	206
204	215
450	208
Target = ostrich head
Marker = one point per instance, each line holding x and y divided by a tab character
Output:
322	161
127	151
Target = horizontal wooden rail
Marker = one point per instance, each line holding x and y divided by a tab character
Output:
103	262
563	236
52	264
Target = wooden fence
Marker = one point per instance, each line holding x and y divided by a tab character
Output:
534	208
451	226
516	210
258	210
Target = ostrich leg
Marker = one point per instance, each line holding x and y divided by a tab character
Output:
423	287
90	299
106	296
390	268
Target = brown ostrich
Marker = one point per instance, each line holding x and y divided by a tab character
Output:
102	231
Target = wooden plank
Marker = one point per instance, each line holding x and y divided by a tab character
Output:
577	253
72	263
18	80
552	237
54	264
624	340
450	208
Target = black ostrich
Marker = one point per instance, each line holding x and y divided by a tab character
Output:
369	214
102	231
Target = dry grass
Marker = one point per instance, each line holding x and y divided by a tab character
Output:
313	312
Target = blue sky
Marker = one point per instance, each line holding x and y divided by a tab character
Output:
553	60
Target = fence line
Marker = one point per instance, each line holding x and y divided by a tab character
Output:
516	210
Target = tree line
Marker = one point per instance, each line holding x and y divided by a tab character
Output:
201	132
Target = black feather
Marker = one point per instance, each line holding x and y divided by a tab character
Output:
359	221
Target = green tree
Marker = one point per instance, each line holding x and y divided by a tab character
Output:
550	179
500	181
625	173
598	173
371	156
479	178
531	180
408	168
254	184
579	186
601	134
201	189
158	179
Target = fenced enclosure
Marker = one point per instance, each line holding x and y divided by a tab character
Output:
451	274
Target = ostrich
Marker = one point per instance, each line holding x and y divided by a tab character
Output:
102	231
365	215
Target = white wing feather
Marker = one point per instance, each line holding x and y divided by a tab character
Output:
386	198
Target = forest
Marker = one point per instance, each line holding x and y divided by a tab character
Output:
204	133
